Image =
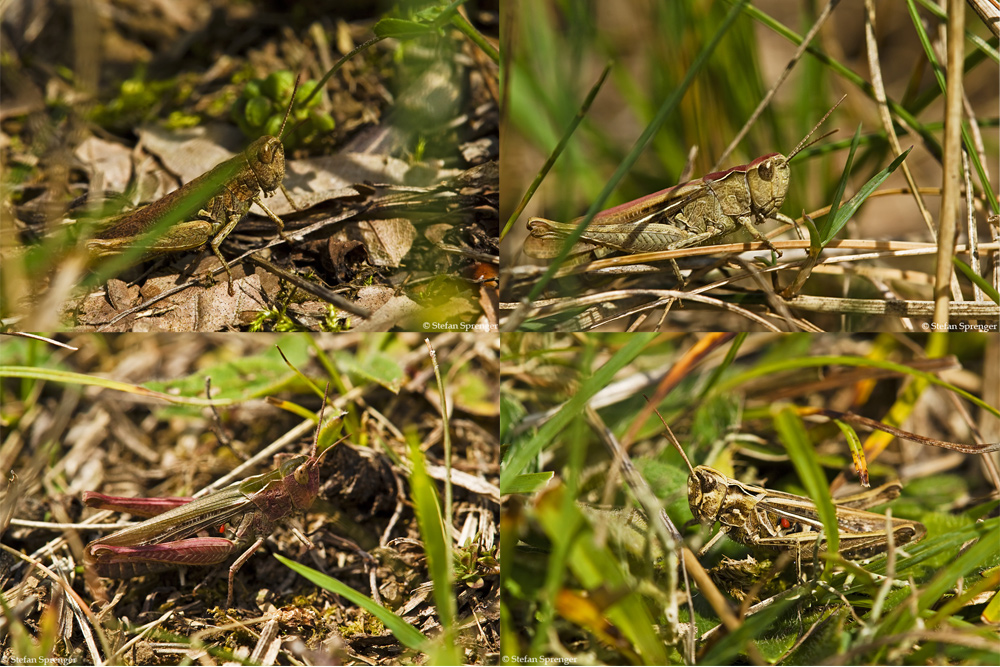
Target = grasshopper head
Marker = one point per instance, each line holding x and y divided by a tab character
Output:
767	177
267	160
706	493
303	483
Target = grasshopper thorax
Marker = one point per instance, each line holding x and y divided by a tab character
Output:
266	157
706	493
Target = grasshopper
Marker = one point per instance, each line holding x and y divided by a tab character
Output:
219	199
755	516
254	505
691	214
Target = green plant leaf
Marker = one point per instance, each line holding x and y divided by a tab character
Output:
838	195
845	213
800	449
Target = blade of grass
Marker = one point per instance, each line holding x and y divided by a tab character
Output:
901	112
938	70
800	450
984	284
731	649
570	129
437	543
598	567
69	377
902	617
573	408
838	195
844	214
857	451
529	482
765	369
982	45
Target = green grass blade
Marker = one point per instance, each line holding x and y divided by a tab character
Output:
570	129
436	545
573	408
845	213
826	229
984	284
529	482
938	69
598	568
664	112
800	449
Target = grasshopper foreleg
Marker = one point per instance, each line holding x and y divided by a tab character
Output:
747	223
273	216
288	196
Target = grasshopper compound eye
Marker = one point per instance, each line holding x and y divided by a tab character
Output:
268	150
765	171
301	474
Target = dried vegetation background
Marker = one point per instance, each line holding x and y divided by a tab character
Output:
77	433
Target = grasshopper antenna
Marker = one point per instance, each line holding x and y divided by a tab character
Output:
282	131
322	408
802	144
671	436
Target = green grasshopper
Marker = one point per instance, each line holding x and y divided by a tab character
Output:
253	505
216	202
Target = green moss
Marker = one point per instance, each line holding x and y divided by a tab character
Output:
138	99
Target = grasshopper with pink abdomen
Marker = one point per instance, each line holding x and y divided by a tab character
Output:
253	505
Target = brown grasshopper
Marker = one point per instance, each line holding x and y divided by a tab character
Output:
683	216
162	542
218	200
755	516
